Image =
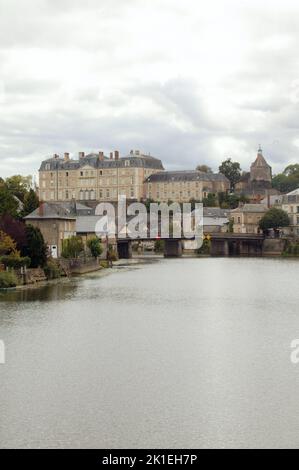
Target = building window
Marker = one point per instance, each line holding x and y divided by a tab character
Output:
66	194
81	196
81	173
101	172
67	173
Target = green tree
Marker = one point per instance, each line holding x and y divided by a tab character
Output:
292	170
7	244
210	201
35	247
284	183
204	168
231	201
8	204
232	171
94	244
31	202
19	185
72	247
274	218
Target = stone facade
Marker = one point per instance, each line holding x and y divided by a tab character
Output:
55	224
290	204
181	186
246	218
259	180
95	177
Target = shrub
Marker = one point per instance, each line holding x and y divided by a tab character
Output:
72	247
205	248
94	244
112	254
104	263
15	261
52	269
159	246
7	279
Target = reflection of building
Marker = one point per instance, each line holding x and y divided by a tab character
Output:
55	223
258	181
290	204
181	186
95	177
246	218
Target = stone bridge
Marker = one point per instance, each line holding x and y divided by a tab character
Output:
222	244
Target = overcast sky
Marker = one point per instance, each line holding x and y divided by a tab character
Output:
188	81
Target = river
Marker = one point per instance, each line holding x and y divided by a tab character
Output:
177	353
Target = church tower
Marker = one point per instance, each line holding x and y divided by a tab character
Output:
260	171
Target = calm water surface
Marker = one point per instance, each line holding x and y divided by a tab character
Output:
176	353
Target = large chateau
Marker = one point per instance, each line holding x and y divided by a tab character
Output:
96	177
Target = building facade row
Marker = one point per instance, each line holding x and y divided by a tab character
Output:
96	177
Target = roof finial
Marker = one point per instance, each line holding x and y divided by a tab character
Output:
260	149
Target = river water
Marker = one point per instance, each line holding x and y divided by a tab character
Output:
186	353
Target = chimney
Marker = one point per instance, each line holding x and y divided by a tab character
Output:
116	155
55	156
101	156
66	156
137	152
111	155
41	209
131	152
81	155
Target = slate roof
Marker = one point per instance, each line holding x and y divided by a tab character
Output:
191	175
251	208
51	211
93	160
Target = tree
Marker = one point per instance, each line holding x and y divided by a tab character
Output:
94	244
31	202
231	201
274	218
292	170
232	171
19	185
284	183
210	200
288	180
16	229
204	168
35	247
72	247
8	204
7	244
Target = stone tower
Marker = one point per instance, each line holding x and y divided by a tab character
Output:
260	171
